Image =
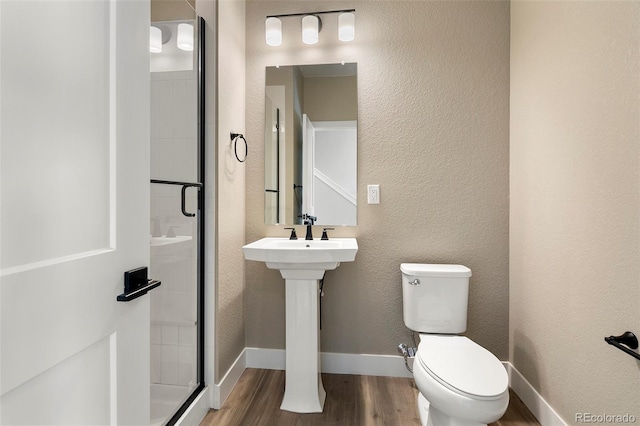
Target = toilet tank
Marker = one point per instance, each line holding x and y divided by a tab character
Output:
435	297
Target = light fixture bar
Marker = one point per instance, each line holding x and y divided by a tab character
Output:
311	13
311	26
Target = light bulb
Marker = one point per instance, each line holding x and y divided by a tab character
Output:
155	40
185	37
273	31
346	26
310	29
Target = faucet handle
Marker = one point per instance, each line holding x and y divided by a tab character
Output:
293	234
324	233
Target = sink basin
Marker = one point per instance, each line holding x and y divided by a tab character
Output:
282	253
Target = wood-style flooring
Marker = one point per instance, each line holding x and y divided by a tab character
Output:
351	401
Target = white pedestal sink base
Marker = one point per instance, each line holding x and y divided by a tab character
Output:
303	392
302	264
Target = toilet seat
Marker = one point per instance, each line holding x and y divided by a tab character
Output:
462	366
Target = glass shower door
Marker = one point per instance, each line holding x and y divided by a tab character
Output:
176	232
174	306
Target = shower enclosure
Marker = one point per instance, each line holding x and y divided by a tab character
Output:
177	205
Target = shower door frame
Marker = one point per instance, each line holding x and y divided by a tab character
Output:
200	220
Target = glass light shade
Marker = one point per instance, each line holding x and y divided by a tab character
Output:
155	40
185	37
310	29
273	31
347	26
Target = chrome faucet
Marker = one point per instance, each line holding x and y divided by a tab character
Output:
309	221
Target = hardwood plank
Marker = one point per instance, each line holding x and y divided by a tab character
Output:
351	400
517	414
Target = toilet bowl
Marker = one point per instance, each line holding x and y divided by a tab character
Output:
462	383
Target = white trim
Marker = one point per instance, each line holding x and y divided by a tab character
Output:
196	411
327	126
335	186
269	359
51	262
113	378
364	364
220	391
545	414
334	363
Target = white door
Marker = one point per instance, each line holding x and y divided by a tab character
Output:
335	172
74	205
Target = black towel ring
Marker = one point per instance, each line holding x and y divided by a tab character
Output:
234	139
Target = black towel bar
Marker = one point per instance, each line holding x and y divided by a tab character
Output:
624	342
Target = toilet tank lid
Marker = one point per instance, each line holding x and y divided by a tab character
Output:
435	270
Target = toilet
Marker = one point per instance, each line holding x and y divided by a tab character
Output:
460	383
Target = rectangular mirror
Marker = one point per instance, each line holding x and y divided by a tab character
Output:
310	150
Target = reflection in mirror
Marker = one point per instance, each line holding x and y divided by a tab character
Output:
172	27
311	114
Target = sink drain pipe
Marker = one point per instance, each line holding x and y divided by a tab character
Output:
321	293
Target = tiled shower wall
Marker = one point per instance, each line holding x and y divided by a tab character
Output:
174	157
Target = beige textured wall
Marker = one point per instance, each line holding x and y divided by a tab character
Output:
575	202
433	128
331	98
171	10
230	196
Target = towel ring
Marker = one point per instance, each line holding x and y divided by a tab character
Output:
234	139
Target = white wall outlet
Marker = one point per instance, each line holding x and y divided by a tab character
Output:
373	194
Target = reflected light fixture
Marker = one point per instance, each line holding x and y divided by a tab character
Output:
185	37
155	40
273	31
311	26
347	26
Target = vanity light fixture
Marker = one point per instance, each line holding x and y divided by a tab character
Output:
185	37
273	31
311	26
155	40
347	26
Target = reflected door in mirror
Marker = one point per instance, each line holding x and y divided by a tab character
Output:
311	114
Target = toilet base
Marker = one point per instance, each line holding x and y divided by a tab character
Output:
423	409
430	416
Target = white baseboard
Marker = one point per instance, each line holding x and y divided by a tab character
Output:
370	365
545	414
269	359
334	363
220	391
197	410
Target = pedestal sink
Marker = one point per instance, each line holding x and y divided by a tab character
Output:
302	265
